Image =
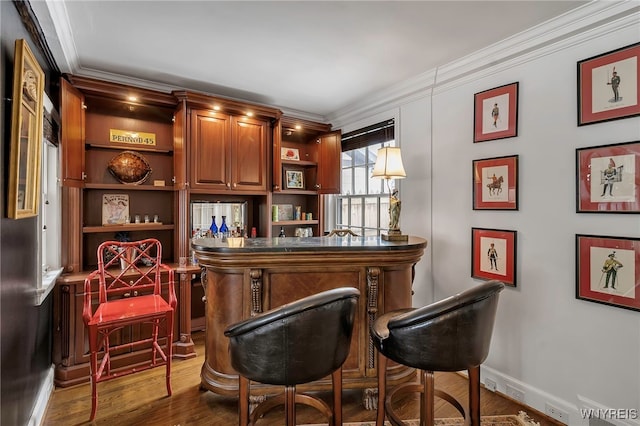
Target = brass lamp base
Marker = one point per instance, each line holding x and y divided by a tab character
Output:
395	235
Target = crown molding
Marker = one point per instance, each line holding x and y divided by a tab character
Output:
592	20
61	26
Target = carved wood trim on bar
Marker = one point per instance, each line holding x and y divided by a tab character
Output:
203	280
373	275
65	314
256	291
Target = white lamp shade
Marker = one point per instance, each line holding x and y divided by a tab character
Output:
389	164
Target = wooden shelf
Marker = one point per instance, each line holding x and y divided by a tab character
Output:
125	187
127	227
297	192
294	222
128	147
302	163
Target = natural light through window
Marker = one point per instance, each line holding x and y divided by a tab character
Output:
363	204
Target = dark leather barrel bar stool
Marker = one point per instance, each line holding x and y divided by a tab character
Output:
295	343
452	334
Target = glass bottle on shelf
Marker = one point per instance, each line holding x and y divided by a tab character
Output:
213	228
281	234
224	230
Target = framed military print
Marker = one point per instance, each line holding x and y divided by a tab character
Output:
493	255
495	183
608	270
495	113
609	86
608	178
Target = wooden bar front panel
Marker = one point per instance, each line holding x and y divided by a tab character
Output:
239	285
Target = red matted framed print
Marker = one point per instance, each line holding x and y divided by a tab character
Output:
495	113
608	178
608	270
493	255
609	86
495	183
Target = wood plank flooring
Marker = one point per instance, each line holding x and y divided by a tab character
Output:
141	399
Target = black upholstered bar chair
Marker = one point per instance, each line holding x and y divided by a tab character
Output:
296	343
452	334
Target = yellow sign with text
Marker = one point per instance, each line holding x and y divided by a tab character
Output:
134	138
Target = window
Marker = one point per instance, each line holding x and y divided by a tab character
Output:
363	204
49	219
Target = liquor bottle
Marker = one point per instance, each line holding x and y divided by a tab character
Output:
213	228
224	230
282	234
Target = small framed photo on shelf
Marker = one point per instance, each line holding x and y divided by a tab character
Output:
289	154
495	113
294	179
608	86
493	255
608	178
115	209
495	183
608	270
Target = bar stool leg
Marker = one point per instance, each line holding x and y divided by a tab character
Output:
290	405
474	395
427	404
243	400
336	377
382	388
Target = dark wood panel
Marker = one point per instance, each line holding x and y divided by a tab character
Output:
210	149
73	119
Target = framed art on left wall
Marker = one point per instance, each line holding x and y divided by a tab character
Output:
26	133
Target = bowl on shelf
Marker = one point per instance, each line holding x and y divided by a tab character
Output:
129	167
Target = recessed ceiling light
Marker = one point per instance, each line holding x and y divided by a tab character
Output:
133	98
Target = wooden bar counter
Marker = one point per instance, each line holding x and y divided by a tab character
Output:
244	277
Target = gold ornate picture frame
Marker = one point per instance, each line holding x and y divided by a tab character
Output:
26	134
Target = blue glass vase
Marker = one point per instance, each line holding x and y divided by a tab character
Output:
223	228
213	228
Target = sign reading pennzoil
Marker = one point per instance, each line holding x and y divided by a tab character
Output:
135	138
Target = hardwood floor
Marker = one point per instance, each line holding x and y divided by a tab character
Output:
141	399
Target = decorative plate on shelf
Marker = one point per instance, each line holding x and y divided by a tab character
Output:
130	167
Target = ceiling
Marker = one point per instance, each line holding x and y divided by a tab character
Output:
308	57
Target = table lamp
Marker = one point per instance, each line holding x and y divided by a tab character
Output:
389	166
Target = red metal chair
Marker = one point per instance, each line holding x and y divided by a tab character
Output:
129	292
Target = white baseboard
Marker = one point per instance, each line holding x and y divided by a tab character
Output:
37	416
537	399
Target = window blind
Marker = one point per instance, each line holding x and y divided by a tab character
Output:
370	135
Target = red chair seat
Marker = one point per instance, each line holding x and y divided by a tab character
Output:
120	312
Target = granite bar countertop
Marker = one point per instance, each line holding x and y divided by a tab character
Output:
299	244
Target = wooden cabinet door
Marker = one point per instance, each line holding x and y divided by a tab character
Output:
72	115
249	154
329	167
211	150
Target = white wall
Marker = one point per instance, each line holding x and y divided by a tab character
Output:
555	348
